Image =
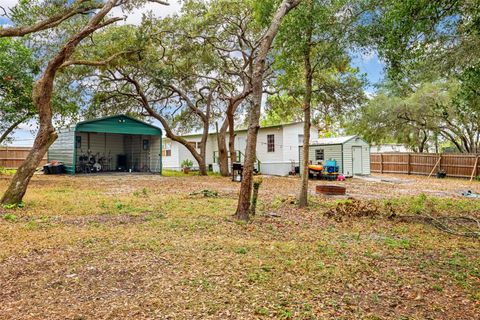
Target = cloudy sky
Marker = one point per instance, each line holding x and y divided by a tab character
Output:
367	63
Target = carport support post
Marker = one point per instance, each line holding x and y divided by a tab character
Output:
161	156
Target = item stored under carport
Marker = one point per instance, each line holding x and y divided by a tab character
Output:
54	167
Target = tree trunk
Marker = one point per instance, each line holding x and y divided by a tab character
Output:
202	167
18	186
243	207
229	123
222	150
303	196
250	155
42	97
307	100
231	138
203	144
222	145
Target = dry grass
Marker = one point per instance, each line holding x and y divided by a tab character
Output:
142	247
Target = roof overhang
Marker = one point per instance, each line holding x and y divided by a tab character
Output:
120	124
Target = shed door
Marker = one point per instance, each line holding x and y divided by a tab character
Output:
357	160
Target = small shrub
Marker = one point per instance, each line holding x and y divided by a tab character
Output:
144	193
258	276
397	243
186	163
437	287
14	206
285	313
241	250
417	205
476	296
262	311
10	217
266	268
5	171
9	206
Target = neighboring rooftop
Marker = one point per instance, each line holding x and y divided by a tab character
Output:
336	140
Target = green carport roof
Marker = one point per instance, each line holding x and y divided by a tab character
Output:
118	124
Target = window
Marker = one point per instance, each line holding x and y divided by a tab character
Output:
270	143
319	155
167	149
300	139
195	144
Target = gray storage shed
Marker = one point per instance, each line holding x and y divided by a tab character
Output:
117	143
351	153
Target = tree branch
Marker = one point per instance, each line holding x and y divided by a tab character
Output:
50	22
13	126
95	63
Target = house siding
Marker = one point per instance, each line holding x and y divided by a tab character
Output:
181	153
342	152
171	162
278	162
330	152
348	156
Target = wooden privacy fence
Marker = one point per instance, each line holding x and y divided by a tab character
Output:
455	165
12	157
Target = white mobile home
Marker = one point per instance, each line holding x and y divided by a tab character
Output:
277	148
351	153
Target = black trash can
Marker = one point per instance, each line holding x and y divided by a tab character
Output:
46	169
57	169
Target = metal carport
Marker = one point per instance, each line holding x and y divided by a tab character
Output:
109	139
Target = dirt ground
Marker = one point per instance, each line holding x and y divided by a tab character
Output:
135	246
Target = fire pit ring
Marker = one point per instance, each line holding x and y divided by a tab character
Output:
330	190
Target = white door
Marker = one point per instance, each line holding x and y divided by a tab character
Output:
357	160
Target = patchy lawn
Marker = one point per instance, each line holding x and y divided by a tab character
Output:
143	247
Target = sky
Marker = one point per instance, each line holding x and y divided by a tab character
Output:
367	63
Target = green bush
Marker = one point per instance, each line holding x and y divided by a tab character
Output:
6	171
187	163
